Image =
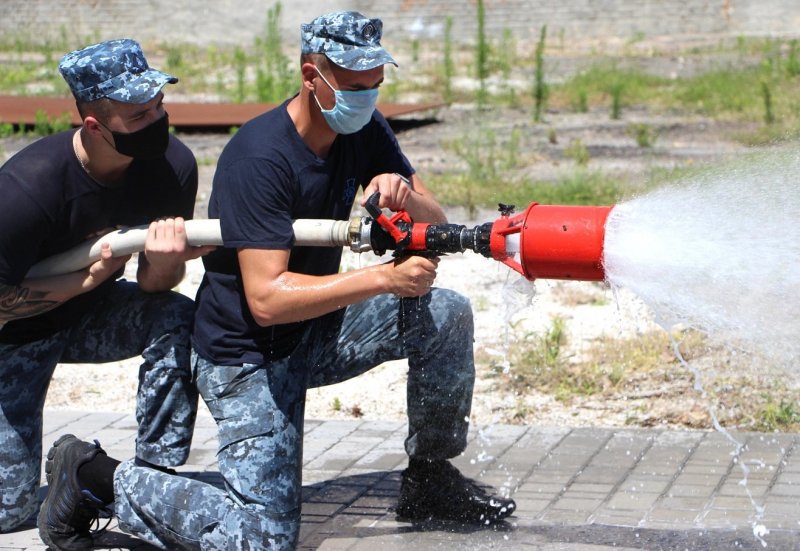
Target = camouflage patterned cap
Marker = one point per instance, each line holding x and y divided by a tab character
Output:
115	69
348	38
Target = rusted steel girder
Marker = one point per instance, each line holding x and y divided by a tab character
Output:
21	110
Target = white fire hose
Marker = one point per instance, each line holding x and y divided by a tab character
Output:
356	233
309	233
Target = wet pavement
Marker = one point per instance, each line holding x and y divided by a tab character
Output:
576	488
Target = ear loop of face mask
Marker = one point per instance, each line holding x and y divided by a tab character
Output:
103	134
325	80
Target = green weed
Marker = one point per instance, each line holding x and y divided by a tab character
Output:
174	59
615	91
7	130
448	67
777	417
722	92
482	56
415	50
643	133
793	60
582	187
512	150
606	79
581	101
766	93
240	66
578	152
275	80
480	153
506	62
45	125
537	361
539	87
536	358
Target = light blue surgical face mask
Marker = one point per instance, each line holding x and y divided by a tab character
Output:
352	110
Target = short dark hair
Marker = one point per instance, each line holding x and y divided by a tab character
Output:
100	108
320	60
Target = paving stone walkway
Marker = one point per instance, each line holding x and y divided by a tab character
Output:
577	489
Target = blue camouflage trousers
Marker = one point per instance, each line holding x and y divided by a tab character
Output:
259	411
125	323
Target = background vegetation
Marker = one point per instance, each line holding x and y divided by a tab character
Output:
757	85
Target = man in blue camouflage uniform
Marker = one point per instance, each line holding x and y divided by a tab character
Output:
273	319
120	168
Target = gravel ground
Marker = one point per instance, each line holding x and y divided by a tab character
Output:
506	306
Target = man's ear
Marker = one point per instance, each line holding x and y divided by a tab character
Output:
92	125
308	72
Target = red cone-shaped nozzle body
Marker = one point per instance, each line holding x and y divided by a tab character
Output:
555	241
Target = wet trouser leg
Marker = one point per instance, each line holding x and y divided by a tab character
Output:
259	411
126	322
435	333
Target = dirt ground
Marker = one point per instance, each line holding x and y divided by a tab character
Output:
506	307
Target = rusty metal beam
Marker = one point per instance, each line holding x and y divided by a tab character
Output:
21	110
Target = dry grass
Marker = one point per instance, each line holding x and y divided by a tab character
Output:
641	381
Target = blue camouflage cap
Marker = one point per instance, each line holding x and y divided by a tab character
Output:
115	69
348	38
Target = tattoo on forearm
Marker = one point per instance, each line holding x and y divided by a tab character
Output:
22	302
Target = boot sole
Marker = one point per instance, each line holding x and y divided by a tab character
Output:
51	454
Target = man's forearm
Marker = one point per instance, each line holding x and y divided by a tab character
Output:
22	302
152	281
37	296
423	208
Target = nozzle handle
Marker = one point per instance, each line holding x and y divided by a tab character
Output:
372	205
387	224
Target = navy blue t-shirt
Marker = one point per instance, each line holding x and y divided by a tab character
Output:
267	177
49	204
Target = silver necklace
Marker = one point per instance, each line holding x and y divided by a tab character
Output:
78	155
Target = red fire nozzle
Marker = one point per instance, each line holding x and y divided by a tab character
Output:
554	241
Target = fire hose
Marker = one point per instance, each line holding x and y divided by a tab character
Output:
542	242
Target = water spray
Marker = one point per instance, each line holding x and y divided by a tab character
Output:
542	242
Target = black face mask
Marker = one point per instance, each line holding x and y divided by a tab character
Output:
148	143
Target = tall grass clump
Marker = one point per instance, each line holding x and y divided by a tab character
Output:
274	80
615	91
783	416
537	361
766	93
240	68
607	80
581	100
578	152
482	56
539	86
506	61
45	125
643	133
793	60
448	67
